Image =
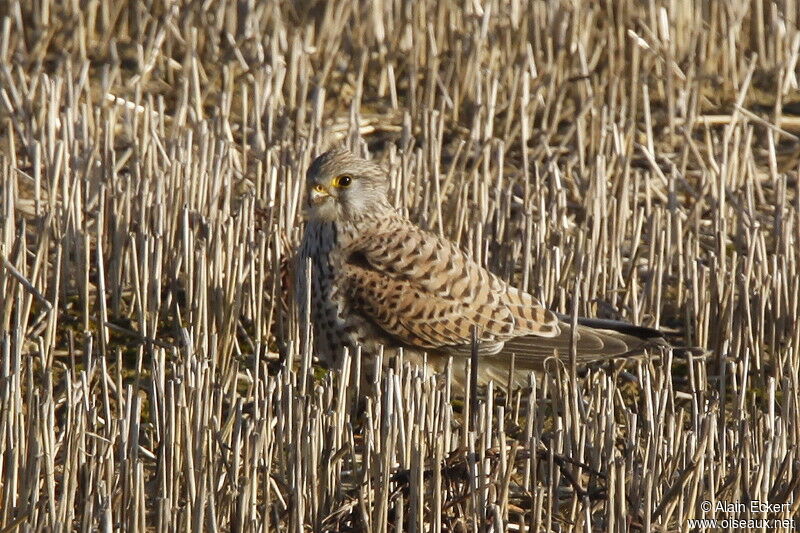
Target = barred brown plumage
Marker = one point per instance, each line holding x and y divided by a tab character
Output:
378	279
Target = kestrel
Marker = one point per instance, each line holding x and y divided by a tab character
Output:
378	279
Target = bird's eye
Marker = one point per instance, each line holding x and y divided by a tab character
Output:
342	181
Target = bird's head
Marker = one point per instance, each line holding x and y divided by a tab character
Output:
341	186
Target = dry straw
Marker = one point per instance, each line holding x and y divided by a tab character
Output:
634	159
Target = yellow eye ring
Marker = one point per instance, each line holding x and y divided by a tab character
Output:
342	181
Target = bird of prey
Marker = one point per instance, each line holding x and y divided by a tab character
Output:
378	279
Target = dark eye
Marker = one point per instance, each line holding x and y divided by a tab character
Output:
342	181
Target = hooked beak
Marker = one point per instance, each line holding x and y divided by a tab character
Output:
318	194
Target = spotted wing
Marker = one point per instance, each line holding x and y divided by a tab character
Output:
425	292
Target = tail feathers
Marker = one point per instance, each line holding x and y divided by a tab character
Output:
595	339
619	326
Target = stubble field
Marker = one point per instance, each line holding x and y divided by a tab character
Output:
631	160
